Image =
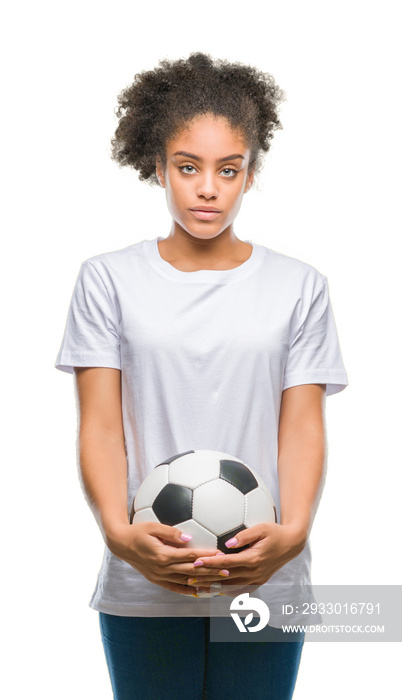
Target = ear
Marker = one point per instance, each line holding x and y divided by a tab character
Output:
249	181
159	172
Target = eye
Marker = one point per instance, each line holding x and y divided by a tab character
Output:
181	167
228	171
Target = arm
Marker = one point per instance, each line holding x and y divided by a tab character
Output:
103	472
301	458
101	452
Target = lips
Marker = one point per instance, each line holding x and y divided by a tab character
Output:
206	213
205	209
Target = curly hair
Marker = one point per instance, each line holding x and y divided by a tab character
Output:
161	102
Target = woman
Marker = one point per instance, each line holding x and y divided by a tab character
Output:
199	341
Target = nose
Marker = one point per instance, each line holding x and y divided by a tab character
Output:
207	186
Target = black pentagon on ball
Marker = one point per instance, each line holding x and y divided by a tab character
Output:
172	459
173	504
238	474
228	536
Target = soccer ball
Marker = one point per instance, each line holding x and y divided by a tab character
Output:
208	494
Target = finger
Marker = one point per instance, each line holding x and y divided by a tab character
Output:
176	556
183	578
226	577
185	567
178	588
179	540
174	582
248	536
226	561
222	575
169	533
188	571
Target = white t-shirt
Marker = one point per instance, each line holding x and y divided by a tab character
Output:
204	358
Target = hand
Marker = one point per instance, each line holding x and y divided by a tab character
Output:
158	553
271	546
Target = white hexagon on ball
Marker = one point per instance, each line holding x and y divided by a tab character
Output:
194	469
259	508
218	506
144	516
201	537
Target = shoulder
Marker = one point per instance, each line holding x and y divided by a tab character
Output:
291	273
116	257
116	263
291	265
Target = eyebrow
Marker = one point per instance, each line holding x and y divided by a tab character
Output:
220	160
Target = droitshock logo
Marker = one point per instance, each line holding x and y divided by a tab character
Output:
244	603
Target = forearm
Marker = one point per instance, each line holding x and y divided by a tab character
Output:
103	474
301	472
301	457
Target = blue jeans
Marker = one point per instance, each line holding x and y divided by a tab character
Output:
171	658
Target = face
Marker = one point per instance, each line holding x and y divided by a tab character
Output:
206	170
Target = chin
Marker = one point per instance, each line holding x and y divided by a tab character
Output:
206	230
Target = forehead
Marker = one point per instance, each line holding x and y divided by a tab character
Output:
209	134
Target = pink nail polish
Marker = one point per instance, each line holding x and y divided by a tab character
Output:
224	572
186	538
232	542
198	563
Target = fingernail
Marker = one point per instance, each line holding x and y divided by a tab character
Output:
198	563
231	543
191	581
219	554
185	538
224	572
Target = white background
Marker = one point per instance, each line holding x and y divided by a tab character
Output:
328	196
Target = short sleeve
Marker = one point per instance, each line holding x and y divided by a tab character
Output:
314	355
91	337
